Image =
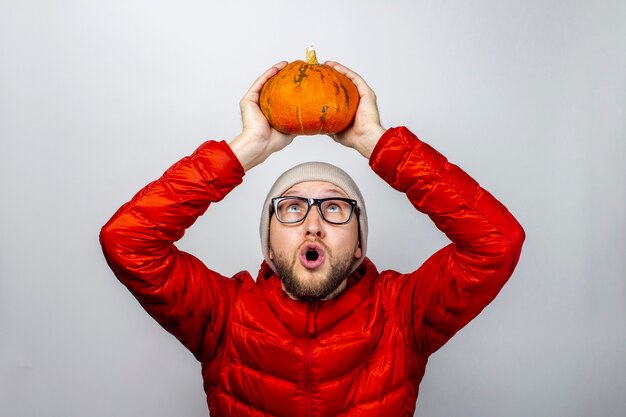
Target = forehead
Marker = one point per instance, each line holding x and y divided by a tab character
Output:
315	189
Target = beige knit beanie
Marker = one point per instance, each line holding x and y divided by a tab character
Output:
313	171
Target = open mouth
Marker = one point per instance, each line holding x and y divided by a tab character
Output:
311	256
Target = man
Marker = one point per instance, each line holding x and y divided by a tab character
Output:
320	332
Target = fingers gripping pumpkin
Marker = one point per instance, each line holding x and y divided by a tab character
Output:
308	98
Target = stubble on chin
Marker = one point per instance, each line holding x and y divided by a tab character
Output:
311	289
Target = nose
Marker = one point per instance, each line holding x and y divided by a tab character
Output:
313	223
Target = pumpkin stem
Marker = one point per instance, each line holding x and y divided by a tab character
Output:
311	58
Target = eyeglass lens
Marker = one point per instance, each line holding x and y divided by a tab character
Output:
295	209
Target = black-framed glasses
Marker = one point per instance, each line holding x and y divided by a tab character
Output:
334	210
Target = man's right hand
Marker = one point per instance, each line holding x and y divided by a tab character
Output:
258	140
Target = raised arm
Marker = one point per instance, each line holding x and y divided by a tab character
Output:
457	282
175	288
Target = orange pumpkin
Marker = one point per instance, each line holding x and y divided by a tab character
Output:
308	98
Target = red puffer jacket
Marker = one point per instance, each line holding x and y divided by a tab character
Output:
361	354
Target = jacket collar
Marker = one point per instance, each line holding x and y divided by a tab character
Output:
327	313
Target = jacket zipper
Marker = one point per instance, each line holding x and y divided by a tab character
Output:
308	346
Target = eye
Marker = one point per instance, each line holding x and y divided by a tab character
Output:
292	206
333	208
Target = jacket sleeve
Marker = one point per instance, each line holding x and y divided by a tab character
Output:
176	289
457	282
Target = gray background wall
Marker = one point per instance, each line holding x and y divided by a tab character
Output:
99	98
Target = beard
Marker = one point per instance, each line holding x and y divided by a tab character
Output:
312	289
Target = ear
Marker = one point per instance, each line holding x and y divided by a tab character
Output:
271	254
358	252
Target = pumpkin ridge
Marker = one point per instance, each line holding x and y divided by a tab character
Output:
346	95
323	118
268	110
300	120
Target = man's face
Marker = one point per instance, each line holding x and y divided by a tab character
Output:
337	246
